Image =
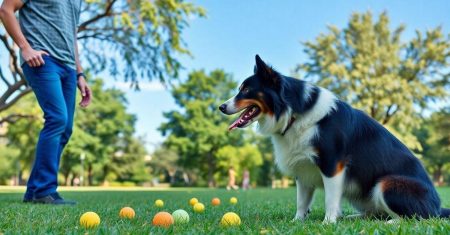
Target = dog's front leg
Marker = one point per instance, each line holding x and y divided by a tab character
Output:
304	198
333	187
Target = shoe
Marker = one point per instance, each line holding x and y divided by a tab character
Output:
27	200
54	199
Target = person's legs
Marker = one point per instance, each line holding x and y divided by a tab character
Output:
47	87
69	87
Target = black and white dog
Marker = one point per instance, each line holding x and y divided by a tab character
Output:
324	142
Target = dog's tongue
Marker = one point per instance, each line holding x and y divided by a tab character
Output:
239	121
234	125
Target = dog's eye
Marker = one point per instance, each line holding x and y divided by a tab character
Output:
245	90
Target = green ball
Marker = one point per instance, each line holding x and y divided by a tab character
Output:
180	217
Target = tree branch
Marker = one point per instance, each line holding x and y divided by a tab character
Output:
106	13
4	105
15	69
15	117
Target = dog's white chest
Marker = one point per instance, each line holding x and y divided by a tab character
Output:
294	155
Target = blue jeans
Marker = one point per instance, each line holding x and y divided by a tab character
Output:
54	85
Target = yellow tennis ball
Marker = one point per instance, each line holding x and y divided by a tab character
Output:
193	201
127	213
89	220
230	219
233	200
199	207
159	203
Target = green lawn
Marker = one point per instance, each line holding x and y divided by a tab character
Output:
263	211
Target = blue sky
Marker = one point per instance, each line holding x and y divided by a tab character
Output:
236	30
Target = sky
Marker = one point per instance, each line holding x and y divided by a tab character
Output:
235	30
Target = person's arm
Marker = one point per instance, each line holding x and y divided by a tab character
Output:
7	10
82	84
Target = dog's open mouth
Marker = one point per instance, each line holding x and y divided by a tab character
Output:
246	118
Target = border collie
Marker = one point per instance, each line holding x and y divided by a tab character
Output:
324	142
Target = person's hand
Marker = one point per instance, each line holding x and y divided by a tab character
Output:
86	95
32	57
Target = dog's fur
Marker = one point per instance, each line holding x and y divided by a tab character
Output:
323	142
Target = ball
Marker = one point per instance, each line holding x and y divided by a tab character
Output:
162	219
180	217
230	219
159	203
193	201
89	220
199	207
127	213
233	200
215	201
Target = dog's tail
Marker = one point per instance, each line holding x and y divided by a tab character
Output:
445	213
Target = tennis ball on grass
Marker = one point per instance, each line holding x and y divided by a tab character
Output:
230	219
215	201
180	217
89	220
199	207
162	219
233	200
159	203
193	201
127	213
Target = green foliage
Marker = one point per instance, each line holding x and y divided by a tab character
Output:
8	167
246	157
21	135
197	131
103	132
367	65
144	36
434	136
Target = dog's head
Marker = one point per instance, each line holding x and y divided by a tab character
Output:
259	97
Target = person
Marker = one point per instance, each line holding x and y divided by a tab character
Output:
232	179
46	35
246	180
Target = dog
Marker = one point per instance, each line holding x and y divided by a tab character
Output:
325	143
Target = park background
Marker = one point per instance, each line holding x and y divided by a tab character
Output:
159	70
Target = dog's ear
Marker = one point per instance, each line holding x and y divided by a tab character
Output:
266	73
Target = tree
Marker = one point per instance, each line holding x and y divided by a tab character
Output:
131	38
165	163
105	129
367	65
197	131
246	157
22	129
434	136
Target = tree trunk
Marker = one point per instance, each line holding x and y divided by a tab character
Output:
90	175
438	177
211	170
66	179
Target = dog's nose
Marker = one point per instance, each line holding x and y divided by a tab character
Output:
223	107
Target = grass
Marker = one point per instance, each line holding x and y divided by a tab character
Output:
263	211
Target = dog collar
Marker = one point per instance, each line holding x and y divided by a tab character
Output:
291	121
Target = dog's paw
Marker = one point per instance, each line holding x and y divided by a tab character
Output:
298	217
329	220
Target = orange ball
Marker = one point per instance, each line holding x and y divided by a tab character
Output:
127	213
215	201
162	219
